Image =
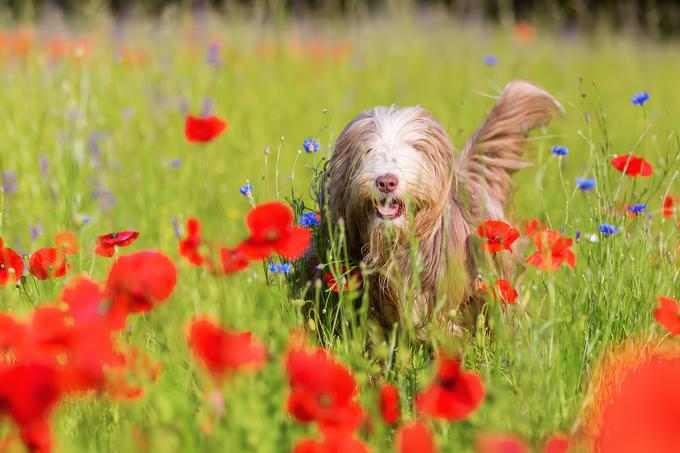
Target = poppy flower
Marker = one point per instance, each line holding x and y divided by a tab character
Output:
389	404
348	281
632	165
203	129
533	226
48	262
453	394
28	394
272	231
233	259
669	206
37	437
106	244
638	403
189	246
222	351
84	298
137	282
414	437
668	314
558	443
322	391
496	443
66	242
508	294
11	265
553	250
499	235
332	442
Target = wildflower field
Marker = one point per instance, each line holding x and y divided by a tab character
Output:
140	312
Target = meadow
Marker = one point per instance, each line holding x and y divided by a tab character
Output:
92	141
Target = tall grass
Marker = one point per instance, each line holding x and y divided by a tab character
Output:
277	87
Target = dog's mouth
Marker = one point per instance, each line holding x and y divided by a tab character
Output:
389	208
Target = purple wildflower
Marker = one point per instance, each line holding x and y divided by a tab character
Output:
9	182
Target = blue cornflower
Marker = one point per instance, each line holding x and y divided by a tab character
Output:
284	268
85	219
585	184
490	60
9	182
35	231
578	234
637	209
560	150
213	57
311	145
640	98
175	163
309	219
246	189
608	229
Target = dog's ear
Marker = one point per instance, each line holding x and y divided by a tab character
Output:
493	153
343	163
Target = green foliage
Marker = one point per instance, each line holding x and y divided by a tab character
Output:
537	357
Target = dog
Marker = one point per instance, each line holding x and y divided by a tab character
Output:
396	185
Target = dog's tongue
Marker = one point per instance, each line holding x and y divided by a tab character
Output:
389	209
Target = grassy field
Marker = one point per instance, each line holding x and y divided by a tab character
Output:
96	144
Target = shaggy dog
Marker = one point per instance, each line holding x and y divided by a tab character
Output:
409	205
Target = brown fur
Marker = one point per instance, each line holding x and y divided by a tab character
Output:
451	197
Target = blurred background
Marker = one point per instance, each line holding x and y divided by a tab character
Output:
659	18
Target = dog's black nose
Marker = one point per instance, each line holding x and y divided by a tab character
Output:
387	183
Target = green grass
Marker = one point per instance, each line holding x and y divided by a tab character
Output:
536	360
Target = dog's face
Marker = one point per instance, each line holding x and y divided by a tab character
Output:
390	166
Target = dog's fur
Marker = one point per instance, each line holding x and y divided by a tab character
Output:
441	197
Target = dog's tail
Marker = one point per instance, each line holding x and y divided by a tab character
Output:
493	153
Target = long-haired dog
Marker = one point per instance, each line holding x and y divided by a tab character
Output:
402	192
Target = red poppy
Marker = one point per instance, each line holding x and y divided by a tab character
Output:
553	250
533	226
189	246
233	260
37	436
66	242
389	404
332	442
500	444
499	235
137	282
632	165
638	404
27	394
558	443
106	244
348	281
11	265
668	314
454	394
322	391
84	298
222	351
272	230
669	206
203	130
508	293
414	437
48	262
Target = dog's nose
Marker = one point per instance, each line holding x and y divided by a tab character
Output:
387	183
